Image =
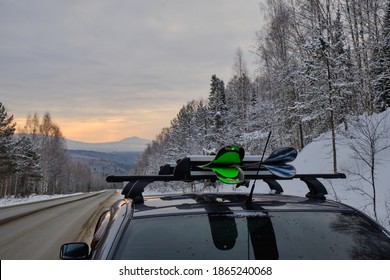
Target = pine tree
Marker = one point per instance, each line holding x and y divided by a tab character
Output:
217	110
238	95
7	124
201	126
28	167
381	67
7	160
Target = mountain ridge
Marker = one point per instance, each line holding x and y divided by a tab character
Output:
129	144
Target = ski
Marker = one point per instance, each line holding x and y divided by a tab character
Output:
228	164
276	163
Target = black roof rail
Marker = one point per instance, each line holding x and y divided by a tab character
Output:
137	183
192	168
274	185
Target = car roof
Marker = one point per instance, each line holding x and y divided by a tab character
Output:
230	203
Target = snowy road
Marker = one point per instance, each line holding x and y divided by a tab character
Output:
37	230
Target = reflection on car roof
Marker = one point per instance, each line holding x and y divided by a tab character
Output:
223	203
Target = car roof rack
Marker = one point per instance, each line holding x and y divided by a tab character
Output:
188	170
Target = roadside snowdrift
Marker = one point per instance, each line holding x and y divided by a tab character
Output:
317	158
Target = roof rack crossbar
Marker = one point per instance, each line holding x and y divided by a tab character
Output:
316	188
137	183
274	185
205	175
134	190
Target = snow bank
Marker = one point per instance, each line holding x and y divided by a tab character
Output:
32	198
317	158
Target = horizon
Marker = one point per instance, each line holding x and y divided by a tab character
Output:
108	69
101	142
80	133
119	140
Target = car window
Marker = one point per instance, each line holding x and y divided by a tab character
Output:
279	235
323	235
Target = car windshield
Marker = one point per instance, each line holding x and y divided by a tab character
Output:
279	235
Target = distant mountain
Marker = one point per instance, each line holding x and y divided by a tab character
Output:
131	144
106	163
109	157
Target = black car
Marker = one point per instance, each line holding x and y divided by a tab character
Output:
236	225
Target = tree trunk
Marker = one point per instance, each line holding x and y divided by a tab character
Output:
373	186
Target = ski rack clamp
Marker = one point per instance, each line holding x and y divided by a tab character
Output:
187	170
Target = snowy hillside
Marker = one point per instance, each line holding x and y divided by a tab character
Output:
317	158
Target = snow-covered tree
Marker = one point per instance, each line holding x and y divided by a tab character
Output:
79	177
217	112
381	66
280	68
53	154
28	171
47	138
328	63
201	126
320	62
7	160
238	92
363	21
369	136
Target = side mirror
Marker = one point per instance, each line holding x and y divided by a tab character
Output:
74	251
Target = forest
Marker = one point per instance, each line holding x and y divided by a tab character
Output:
320	65
35	161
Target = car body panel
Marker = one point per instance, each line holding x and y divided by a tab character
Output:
280	212
237	225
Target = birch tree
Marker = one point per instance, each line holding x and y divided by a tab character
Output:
50	144
369	136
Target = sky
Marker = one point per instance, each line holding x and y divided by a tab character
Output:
110	69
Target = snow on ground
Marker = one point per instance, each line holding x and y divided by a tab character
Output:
32	198
317	158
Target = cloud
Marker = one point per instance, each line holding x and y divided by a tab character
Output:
80	59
